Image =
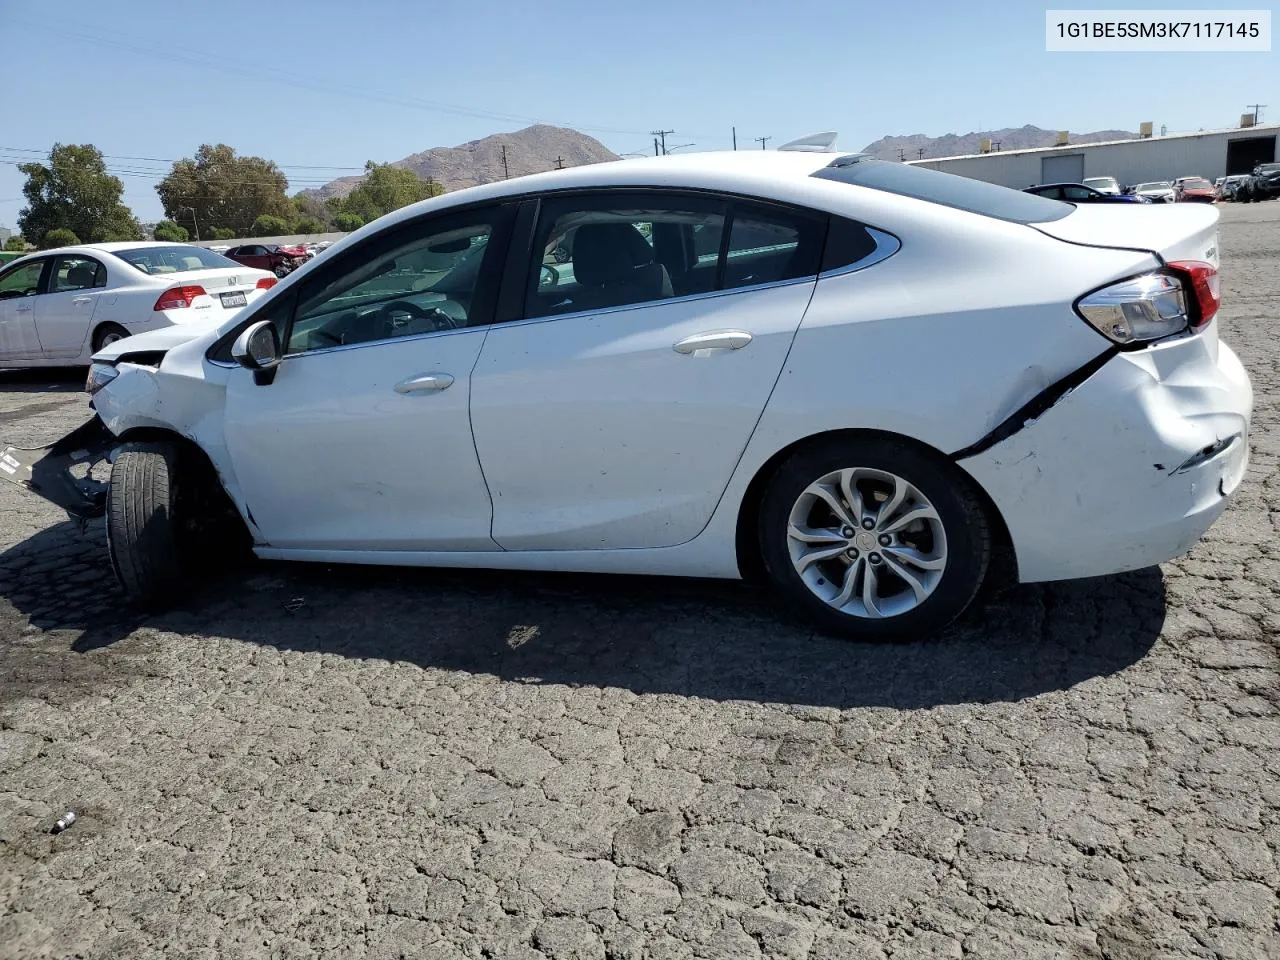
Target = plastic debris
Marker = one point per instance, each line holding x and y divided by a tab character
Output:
66	820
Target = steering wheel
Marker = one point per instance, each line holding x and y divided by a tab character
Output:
437	318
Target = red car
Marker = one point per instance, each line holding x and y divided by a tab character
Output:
268	256
1193	190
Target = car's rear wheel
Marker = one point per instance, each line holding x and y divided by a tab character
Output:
282	272
874	539
108	334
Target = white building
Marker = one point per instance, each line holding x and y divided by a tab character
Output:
1208	153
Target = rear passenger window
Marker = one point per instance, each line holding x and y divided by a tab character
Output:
767	246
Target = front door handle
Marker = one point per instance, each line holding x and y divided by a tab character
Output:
21	309
82	299
424	383
714	340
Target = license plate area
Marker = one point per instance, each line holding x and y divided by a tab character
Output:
233	299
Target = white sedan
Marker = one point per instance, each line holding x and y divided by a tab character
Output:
871	384
58	307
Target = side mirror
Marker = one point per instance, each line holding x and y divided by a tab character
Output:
258	349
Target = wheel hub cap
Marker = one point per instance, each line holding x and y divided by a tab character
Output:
843	520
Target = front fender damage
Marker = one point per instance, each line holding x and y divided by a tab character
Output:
62	472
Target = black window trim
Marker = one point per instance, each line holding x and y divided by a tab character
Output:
495	260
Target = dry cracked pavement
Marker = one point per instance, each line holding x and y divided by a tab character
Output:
327	762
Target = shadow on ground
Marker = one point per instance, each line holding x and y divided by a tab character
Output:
715	639
43	380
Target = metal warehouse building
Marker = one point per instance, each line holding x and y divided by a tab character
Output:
1208	153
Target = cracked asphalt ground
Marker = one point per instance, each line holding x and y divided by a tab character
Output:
310	761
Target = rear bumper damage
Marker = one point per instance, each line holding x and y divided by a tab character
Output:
1129	468
62	472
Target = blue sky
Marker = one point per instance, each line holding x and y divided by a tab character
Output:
323	82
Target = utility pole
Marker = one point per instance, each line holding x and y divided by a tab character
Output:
997	145
762	141
1257	111
655	146
662	135
559	163
902	155
195	223
735	138
506	171
920	153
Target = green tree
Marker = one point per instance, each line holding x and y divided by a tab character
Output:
306	206
170	231
269	226
383	189
59	237
216	188
15	243
346	222
73	191
222	233
308	225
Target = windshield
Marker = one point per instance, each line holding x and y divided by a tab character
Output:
1268	168
1100	181
947	189
1196	183
174	259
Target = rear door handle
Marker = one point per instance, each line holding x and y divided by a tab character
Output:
22	309
425	383
713	340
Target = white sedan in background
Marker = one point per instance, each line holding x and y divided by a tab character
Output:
868	383
59	307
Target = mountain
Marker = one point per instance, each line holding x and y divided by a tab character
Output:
530	150
951	145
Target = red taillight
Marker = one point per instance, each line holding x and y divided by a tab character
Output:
178	297
1202	280
266	283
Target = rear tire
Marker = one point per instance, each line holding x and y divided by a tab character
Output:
107	334
142	535
923	573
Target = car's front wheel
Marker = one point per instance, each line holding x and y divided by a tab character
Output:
874	539
142	532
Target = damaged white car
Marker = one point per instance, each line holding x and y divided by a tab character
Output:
872	384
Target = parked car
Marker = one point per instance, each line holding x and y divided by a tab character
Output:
1193	190
1262	184
843	410
1107	185
266	256
1157	191
1079	193
57	307
1231	185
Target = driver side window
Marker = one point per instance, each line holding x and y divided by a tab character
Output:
423	281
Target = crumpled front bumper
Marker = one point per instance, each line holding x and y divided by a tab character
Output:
61	472
1130	468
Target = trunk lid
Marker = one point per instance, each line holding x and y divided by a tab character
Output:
227	288
1174	231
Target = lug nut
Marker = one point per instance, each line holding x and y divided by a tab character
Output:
885	539
851	553
847	532
868	523
874	558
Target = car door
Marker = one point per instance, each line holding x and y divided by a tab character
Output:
611	413
64	315
362	441
20	288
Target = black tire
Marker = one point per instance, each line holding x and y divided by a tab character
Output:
142	535
108	331
281	272
963	521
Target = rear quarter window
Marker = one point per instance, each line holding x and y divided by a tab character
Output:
946	189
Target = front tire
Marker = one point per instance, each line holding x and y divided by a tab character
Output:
874	539
142	535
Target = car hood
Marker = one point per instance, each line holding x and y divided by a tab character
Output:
162	340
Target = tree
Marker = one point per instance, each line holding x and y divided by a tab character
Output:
170	231
346	222
15	243
59	237
216	188
308	225
311	207
222	233
383	189
269	226
73	191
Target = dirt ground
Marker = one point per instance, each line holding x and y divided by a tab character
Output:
311	761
